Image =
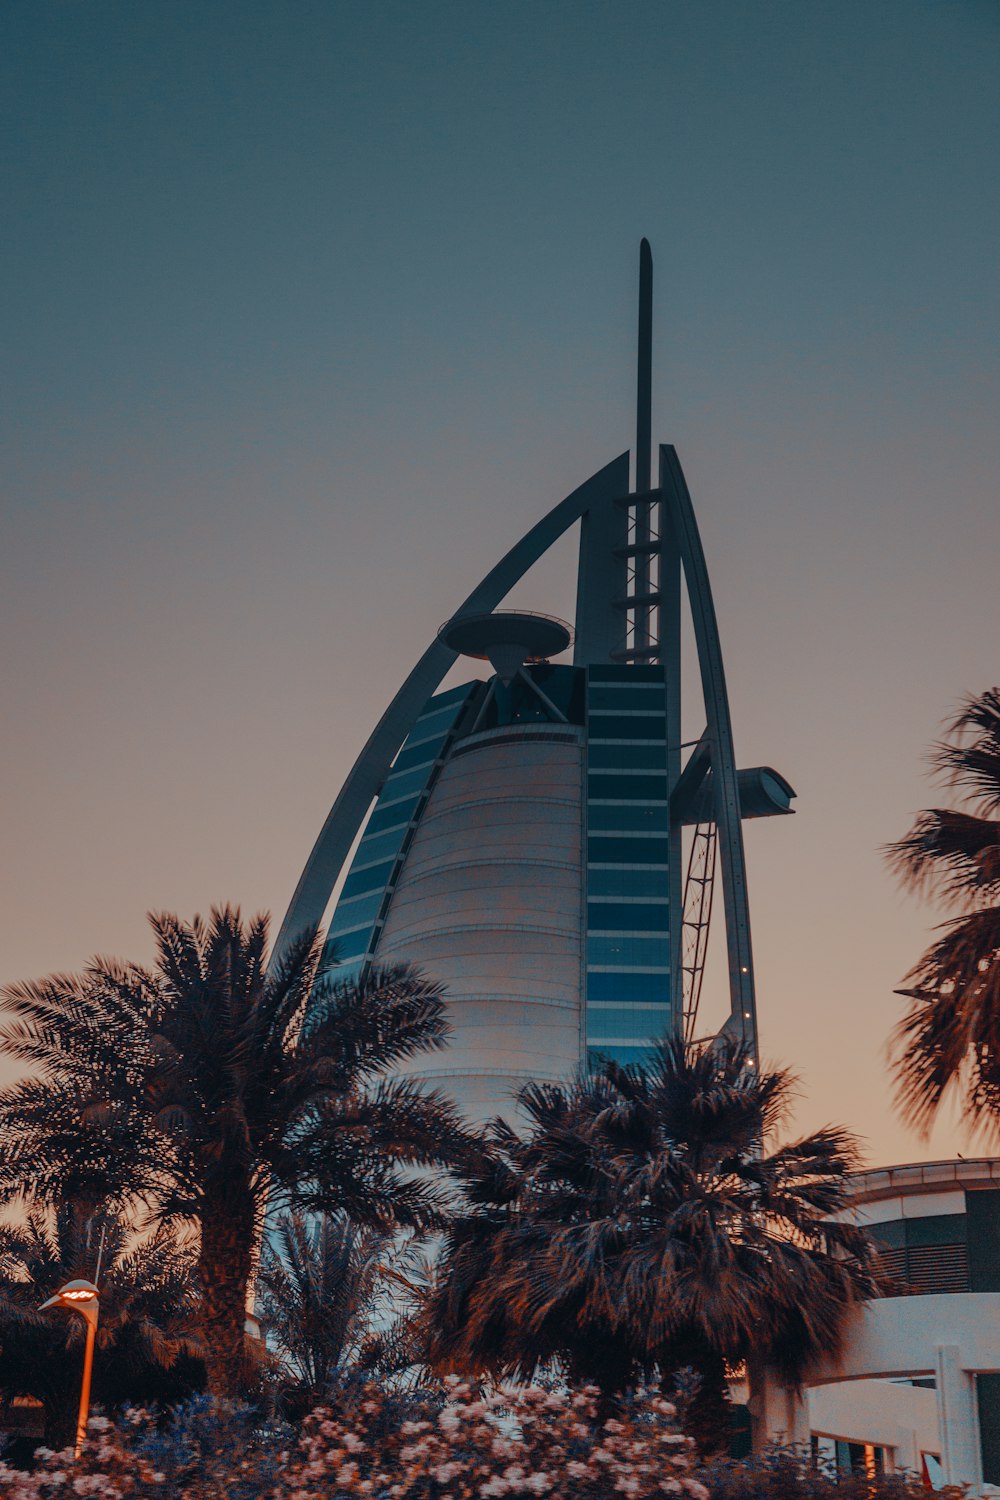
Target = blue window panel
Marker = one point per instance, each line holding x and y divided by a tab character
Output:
404	784
627	987
626	727
343	973
649	698
372	850
602	757
626	675
343	963
623	818
622	1024
451	697
616	882
438	717
373	879
432	728
625	851
619	951
361	913
418	755
352	940
633	787
637	1057
391	817
628	916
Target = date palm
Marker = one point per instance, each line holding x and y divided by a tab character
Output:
208	1087
147	1349
331	1295
950	1038
637	1229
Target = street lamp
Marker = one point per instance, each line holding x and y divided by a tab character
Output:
81	1297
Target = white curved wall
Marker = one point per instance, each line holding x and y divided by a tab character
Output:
490	902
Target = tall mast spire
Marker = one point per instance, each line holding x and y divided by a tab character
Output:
644	380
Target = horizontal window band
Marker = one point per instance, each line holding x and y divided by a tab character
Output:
618	773
391	814
630	850
635	817
621	756
365	882
405	784
412	757
341	965
626	969
354	937
629	935
628	803
639	899
638	951
644	883
633	786
452	698
616	988
609	742
376	850
618	1052
621	727
595	867
606	699
350	916
635	919
649	711
628	676
651	1007
628	1039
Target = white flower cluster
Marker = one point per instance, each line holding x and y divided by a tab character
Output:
507	1443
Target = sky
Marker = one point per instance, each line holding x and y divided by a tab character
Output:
311	308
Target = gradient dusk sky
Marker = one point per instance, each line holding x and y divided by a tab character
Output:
312	308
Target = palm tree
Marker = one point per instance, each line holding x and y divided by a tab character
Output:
147	1349
208	1088
950	1038
638	1229
331	1296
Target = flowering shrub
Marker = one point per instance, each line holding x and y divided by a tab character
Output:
521	1444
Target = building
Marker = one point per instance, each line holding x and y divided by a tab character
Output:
524	838
918	1383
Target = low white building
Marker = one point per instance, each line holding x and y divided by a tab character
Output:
918	1384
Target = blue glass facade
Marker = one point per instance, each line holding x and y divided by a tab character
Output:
625	903
628	954
367	890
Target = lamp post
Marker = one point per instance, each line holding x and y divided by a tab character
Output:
82	1297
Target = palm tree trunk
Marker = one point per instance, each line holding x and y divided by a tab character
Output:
224	1266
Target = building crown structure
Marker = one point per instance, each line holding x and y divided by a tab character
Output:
524	837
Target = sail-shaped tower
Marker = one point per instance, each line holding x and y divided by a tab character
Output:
524	836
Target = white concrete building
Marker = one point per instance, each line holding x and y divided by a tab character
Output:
918	1385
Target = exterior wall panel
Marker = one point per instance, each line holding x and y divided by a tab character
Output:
490	902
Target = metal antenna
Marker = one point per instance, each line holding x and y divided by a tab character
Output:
644	380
